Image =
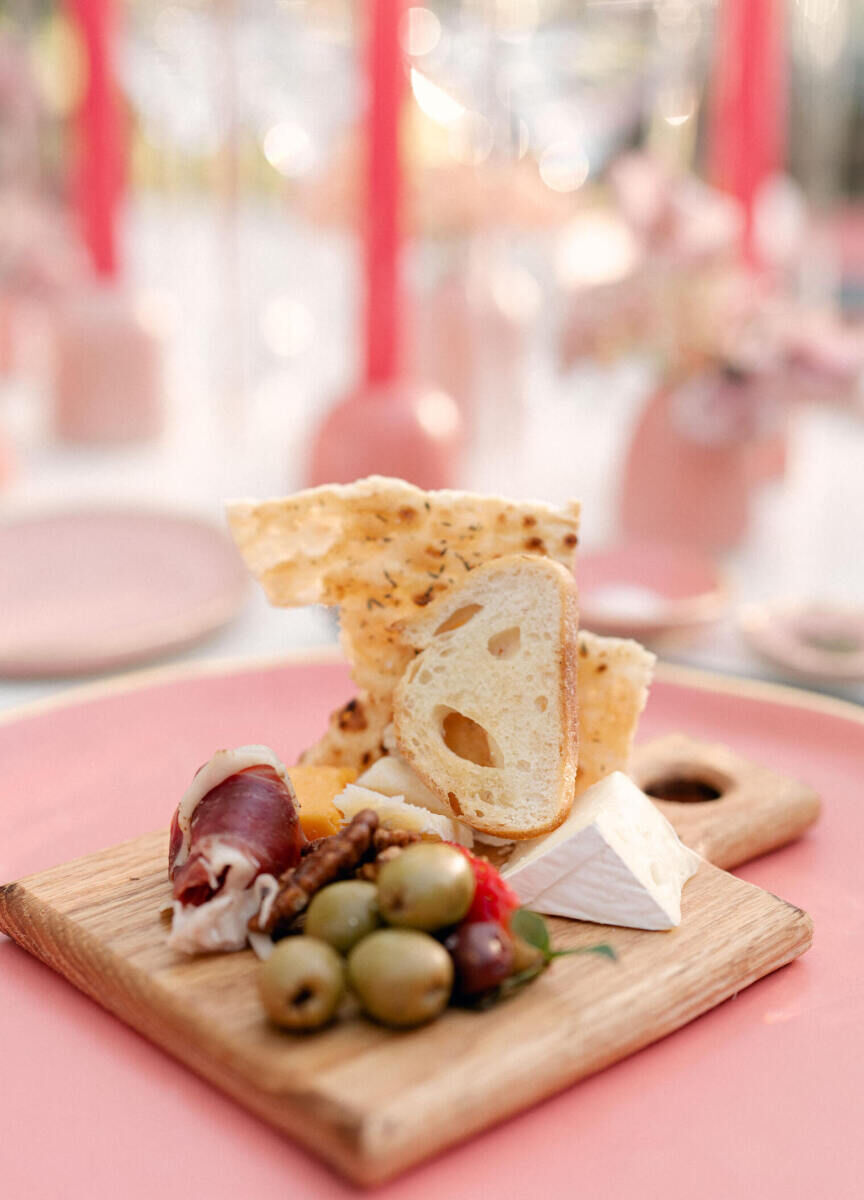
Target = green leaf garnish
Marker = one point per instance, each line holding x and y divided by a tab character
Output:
601	948
531	927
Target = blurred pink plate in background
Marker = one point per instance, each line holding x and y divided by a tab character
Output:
92	590
812	641
647	589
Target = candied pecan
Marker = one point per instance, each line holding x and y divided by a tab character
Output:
370	870
384	839
333	858
310	846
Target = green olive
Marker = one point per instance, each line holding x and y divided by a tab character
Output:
401	977
343	913
429	886
302	983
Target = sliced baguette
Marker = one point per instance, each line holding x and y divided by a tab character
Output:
614	676
486	714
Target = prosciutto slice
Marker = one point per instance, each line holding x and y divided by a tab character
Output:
235	831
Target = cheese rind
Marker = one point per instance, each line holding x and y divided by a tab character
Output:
616	860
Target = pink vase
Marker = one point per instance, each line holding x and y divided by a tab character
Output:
7	461
471	338
404	428
687	477
443	348
107	371
7	334
769	454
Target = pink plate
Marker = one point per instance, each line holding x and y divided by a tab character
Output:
648	589
760	1098
97	589
810	641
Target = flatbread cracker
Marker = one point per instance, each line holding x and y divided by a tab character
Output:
381	549
355	735
614	676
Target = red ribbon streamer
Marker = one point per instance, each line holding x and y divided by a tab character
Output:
97	172
749	103
386	78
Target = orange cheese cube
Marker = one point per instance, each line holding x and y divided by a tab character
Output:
315	789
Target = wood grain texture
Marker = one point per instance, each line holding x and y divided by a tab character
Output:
368	1101
758	809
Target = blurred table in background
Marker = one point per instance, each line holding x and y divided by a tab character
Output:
804	541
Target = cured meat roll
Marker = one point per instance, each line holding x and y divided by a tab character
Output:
235	830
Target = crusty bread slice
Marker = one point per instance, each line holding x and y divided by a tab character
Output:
486	714
614	675
382	549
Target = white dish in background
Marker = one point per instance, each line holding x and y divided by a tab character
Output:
811	641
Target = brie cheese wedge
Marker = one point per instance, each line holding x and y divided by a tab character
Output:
616	860
394	813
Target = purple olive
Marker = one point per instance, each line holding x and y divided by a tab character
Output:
482	953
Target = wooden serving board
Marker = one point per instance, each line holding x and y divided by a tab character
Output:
753	809
369	1101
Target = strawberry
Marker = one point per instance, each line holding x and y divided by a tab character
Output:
493	899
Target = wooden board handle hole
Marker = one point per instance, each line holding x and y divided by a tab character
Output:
689	788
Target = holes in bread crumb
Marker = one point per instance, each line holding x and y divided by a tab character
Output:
459	618
541	703
522	765
506	643
424	677
486	797
466	739
453	801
